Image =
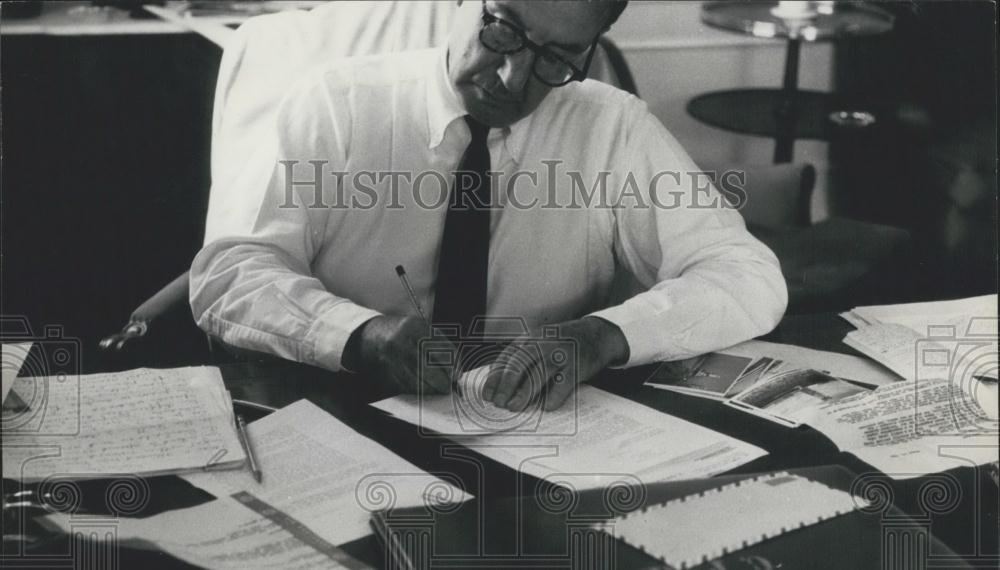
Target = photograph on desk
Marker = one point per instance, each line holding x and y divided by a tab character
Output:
499	283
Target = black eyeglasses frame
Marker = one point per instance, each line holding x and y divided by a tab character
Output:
539	50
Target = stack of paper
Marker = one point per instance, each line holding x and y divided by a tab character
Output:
593	438
222	534
325	475
933	318
321	483
142	422
923	341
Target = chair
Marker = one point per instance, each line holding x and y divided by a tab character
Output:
264	57
831	265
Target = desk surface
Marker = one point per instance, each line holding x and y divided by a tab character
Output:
969	529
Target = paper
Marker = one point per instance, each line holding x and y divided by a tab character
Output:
889	333
702	527
14	355
909	429
892	345
921	317
591	438
222	534
970	362
326	475
144	422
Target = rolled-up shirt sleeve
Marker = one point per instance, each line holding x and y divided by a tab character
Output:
252	285
708	283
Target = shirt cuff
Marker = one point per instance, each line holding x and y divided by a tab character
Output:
329	333
644	345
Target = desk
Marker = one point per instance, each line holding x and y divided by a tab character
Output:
85	19
969	528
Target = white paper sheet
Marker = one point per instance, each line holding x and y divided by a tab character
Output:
326	475
910	429
893	345
936	314
593	438
221	534
144	421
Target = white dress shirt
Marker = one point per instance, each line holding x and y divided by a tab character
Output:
304	270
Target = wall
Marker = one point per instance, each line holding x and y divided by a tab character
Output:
675	57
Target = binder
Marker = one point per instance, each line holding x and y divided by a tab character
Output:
557	528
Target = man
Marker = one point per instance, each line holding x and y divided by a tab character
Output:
562	186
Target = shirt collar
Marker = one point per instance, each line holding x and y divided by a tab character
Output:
443	104
445	107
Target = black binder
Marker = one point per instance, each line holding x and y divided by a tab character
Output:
555	528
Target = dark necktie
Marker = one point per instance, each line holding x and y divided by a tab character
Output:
460	292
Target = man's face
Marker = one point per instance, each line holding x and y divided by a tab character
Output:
498	90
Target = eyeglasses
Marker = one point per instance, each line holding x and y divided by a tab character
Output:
500	36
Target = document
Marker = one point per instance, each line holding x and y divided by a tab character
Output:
890	333
909	429
920	317
325	475
696	529
144	422
892	345
594	437
971	362
222	534
14	355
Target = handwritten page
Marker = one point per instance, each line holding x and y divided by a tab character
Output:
14	355
909	429
699	528
144	421
594	437
222	534
326	475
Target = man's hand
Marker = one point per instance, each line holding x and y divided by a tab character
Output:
599	344
388	349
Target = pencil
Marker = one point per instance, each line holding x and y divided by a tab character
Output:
245	439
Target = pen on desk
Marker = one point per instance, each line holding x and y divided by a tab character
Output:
245	439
